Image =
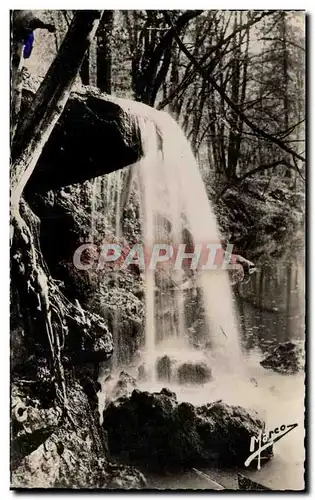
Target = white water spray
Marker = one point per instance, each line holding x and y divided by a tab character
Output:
172	189
173	198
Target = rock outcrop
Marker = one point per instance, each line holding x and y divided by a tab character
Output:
56	437
65	224
116	388
155	429
49	451
95	135
284	358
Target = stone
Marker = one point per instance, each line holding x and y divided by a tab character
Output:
76	149
142	372
169	393
193	372
285	357
124	477
47	452
246	484
117	388
153	429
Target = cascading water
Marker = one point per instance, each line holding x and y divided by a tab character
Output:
106	221
173	203
174	191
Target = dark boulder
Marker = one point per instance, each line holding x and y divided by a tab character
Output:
284	358
94	136
154	429
193	372
169	393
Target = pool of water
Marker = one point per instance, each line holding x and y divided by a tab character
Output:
279	400
271	310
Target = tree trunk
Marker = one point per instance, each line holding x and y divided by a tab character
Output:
104	52
50	101
285	68
85	69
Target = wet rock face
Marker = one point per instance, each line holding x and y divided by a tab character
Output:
55	453
154	429
284	358
65	224
184	372
49	452
194	372
89	339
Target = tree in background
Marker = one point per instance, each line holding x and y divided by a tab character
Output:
234	80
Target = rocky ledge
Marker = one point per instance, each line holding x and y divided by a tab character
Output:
95	135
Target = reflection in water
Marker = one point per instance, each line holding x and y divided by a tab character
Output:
272	309
271	304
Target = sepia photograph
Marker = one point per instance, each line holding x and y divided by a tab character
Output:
157	250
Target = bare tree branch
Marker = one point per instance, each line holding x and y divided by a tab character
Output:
261	168
242	27
230	103
164	43
212	50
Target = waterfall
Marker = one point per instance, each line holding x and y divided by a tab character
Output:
172	189
173	204
95	194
